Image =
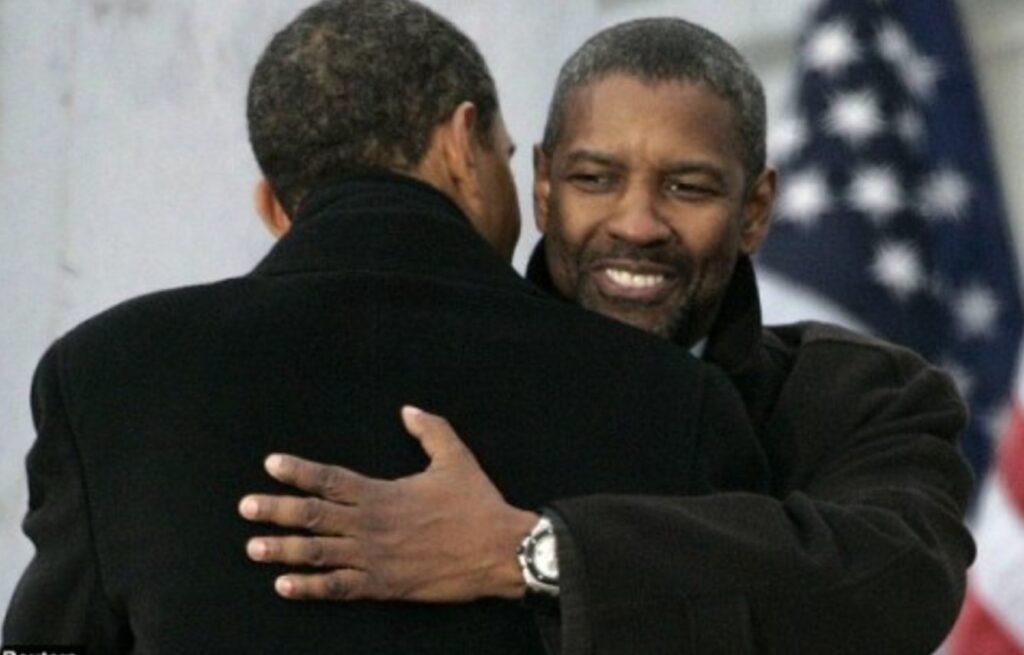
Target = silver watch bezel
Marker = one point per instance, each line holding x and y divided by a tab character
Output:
535	579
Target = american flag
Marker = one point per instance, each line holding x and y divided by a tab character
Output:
889	212
889	204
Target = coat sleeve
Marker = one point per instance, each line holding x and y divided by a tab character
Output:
60	600
865	550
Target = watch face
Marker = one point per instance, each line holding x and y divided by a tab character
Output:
545	558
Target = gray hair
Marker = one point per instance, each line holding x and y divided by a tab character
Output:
665	50
351	85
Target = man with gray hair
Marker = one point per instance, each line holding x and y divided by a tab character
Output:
386	178
652	192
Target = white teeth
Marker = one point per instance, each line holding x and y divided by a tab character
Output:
633	281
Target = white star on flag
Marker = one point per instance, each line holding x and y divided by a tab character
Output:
894	44
962	378
804	198
920	74
831	48
910	127
944	195
897	266
976	310
855	116
876	191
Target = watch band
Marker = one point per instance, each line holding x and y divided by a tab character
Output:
538	560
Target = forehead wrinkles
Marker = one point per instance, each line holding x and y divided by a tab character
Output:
606	110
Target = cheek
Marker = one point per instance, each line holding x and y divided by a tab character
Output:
710	237
716	264
564	242
575	218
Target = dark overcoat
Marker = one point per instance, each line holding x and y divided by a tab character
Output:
859	546
153	420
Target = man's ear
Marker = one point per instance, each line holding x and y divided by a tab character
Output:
460	150
541	188
270	210
757	211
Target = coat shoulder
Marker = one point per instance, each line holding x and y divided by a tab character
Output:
834	345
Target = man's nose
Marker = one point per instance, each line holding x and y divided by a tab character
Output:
638	220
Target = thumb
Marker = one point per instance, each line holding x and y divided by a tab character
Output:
436	436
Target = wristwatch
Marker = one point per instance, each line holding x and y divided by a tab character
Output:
538	558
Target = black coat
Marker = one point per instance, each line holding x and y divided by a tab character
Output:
154	417
859	547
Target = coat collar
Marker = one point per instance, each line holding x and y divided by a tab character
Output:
379	222
735	344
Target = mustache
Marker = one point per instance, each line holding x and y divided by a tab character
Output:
667	255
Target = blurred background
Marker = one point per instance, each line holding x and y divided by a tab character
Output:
125	167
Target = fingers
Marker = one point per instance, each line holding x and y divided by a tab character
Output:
435	434
312	514
340	584
331	482
305	551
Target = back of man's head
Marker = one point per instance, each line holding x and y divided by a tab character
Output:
667	50
352	85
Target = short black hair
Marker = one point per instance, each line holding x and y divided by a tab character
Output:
667	50
352	85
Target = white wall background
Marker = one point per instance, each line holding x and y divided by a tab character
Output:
124	165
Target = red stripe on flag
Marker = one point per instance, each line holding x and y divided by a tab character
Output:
977	633
1010	460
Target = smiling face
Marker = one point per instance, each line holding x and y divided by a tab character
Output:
645	204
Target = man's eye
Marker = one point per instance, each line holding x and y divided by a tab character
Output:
686	189
591	181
